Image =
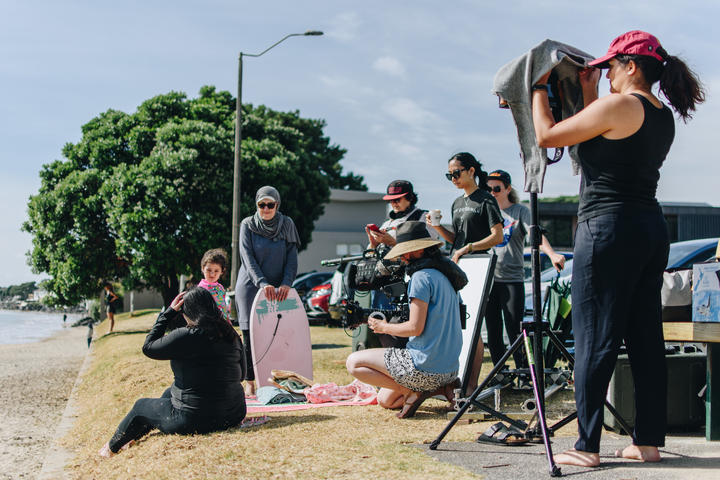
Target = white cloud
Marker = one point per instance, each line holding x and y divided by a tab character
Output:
344	26
409	112
389	65
405	149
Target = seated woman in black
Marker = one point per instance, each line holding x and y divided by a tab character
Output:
206	357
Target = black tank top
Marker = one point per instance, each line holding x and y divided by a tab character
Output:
622	175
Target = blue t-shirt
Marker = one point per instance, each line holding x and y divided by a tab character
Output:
437	348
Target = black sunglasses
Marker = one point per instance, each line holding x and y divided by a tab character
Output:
269	205
455	174
496	189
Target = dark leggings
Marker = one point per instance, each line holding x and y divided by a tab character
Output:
506	304
150	413
616	279
250	373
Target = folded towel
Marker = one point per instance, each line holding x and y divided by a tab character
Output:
274	396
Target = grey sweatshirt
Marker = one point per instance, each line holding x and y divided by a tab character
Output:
513	82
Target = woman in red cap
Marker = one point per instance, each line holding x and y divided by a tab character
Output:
623	140
403	208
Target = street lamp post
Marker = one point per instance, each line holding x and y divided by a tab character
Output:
238	162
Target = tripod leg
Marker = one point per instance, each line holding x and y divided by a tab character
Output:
554	469
620	420
475	393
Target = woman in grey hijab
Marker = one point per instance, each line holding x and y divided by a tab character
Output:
268	249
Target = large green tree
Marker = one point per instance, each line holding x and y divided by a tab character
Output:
141	196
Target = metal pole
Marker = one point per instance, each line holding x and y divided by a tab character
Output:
237	169
237	174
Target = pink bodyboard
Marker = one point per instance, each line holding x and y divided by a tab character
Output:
280	336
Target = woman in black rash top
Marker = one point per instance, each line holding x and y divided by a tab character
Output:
621	242
477	224
206	357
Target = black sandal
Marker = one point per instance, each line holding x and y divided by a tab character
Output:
500	434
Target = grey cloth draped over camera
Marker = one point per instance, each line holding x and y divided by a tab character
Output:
513	82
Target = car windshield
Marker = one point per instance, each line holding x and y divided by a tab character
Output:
680	250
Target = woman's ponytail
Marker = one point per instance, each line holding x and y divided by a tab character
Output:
681	86
468	160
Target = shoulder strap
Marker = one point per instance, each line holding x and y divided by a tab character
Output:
415	215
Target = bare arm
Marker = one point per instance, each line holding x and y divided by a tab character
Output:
412	328
442	231
557	260
600	116
495	237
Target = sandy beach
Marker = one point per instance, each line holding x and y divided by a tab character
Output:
36	380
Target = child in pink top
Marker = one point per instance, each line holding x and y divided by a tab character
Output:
213	265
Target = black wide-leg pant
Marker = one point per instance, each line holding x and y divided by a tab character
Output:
506	305
150	413
617	275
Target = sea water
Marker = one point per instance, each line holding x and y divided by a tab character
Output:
23	327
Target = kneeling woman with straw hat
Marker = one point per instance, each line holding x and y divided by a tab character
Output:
428	365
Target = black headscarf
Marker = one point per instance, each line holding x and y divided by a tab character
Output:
280	227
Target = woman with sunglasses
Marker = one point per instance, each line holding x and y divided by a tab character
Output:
476	218
268	248
623	140
477	223
506	303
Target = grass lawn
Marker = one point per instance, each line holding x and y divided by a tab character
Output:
334	442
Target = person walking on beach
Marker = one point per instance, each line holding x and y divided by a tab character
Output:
112	301
623	140
206	358
90	331
268	248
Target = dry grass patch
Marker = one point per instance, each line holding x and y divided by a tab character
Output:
333	442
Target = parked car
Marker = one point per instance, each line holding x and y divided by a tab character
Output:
682	255
305	282
317	302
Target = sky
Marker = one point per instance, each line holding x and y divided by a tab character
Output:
402	84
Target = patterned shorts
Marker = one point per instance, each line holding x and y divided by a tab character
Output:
401	368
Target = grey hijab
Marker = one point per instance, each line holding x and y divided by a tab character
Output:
280	227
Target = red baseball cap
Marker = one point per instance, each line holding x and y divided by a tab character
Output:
635	42
397	189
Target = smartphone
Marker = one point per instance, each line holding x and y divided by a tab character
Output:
373	227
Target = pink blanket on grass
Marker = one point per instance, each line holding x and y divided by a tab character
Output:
322	395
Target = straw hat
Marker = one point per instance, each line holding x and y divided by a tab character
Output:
411	236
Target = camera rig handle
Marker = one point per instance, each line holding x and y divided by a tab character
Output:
354	315
334	262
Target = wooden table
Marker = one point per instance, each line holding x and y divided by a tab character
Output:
708	333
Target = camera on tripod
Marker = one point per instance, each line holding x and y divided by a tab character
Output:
367	272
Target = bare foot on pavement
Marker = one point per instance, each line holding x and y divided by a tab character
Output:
578	458
639	452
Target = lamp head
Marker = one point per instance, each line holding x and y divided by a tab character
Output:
313	33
